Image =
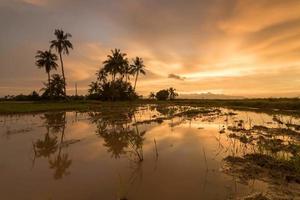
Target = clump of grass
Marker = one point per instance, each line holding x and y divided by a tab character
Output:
197	111
265	166
295	126
273	145
158	120
242	138
276	131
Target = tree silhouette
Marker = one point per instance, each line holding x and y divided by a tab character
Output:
110	83
102	75
45	147
55	88
172	93
115	63
47	60
151	95
94	87
136	68
162	95
62	46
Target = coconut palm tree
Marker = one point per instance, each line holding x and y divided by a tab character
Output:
94	87
47	60
102	75
127	72
55	88
172	93
137	68
115	63
151	95
62	45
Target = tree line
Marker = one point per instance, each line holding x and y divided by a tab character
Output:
113	79
116	78
56	85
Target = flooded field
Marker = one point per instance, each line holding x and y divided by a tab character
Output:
150	152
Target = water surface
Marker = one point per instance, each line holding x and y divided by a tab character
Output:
148	152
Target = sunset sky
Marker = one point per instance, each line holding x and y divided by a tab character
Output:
236	47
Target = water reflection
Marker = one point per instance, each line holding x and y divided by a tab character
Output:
129	152
52	145
121	133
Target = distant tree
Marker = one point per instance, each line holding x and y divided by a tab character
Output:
117	90
137	68
62	45
127	72
47	60
34	96
93	91
172	93
115	63
102	75
110	84
162	95
151	95
55	88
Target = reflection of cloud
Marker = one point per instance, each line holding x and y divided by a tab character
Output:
174	76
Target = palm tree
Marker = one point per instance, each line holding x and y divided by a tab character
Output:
62	46
94	87
115	63
102	75
152	95
127	72
137	67
55	88
47	60
172	93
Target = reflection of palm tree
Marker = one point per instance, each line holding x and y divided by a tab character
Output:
62	46
55	122
116	142
46	147
119	136
137	68
60	164
136	140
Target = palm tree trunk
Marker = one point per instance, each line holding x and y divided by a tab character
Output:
49	84
63	72
136	77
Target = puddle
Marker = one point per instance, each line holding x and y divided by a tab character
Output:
150	152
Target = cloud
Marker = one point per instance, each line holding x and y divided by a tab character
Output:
177	77
214	45
36	2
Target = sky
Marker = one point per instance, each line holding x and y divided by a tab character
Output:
245	48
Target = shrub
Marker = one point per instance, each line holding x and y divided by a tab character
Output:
162	95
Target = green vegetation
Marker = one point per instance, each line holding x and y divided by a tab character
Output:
110	84
163	95
47	60
56	86
289	105
62	46
11	107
